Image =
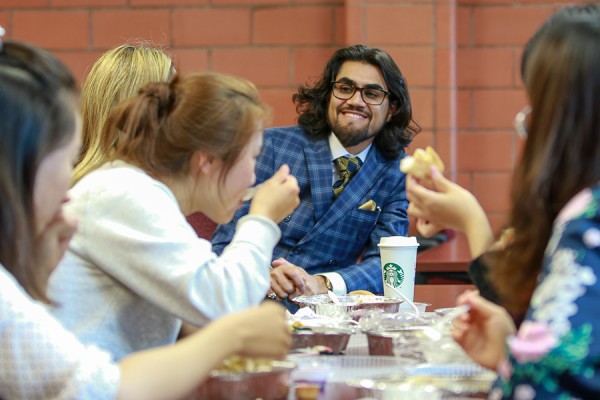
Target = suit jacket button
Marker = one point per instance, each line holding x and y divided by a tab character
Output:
287	219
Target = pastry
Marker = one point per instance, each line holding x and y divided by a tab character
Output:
420	163
362	293
307	391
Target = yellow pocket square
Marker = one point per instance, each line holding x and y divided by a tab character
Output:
368	205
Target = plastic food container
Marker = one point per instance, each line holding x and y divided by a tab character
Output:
350	306
336	341
267	384
400	334
429	381
404	342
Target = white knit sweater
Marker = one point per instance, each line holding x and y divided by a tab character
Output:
39	359
135	267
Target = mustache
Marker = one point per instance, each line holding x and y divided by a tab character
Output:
362	110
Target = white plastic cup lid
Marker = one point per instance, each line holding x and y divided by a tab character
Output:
398	241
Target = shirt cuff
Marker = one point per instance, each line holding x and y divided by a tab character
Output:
259	230
338	283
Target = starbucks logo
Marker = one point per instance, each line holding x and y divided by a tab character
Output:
393	275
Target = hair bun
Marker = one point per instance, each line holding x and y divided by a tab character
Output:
162	93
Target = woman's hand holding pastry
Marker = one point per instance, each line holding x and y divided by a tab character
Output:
449	206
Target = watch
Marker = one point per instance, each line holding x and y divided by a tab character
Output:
328	283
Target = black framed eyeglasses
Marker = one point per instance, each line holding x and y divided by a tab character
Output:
372	96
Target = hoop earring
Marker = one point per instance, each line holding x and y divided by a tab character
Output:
520	121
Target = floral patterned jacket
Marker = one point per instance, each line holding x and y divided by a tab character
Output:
556	352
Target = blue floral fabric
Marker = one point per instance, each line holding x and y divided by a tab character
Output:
556	352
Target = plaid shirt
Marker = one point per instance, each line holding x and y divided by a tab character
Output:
323	235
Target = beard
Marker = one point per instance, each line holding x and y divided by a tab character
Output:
350	136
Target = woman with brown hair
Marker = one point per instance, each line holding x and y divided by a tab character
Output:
135	268
116	76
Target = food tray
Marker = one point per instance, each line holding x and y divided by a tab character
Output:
337	342
447	380
346	367
229	385
350	306
450	370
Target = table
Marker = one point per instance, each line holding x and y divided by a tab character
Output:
345	376
440	296
450	256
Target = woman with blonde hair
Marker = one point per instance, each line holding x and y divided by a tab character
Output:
136	269
116	76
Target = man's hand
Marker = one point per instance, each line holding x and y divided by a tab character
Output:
290	281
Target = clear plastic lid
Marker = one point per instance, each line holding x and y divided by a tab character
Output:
381	322
305	318
396	241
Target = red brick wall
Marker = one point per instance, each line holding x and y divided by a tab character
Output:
461	58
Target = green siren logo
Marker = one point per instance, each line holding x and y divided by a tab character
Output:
393	275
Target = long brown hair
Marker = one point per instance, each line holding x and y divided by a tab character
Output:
160	129
37	116
562	151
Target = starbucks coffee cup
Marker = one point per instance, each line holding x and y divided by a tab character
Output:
398	265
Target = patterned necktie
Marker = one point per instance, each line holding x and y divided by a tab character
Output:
347	167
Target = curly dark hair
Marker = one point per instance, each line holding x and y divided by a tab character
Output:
312	102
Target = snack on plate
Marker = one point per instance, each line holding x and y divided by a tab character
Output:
362	293
297	326
246	364
420	163
307	391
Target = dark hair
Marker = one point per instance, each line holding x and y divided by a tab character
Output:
312	102
564	14
161	127
37	116
561	154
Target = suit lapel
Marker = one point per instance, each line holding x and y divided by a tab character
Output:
320	173
351	197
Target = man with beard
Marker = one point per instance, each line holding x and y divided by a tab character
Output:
359	108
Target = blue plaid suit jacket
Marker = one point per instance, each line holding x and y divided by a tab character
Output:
323	235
